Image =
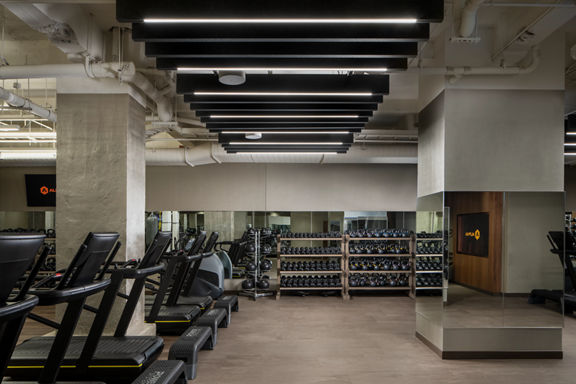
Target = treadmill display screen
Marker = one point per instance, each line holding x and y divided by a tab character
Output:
473	236
41	190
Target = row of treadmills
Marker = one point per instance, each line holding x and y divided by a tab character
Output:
95	357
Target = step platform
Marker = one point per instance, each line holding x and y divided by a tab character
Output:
163	372
230	304
214	318
188	345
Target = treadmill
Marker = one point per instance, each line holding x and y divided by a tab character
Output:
564	246
111	359
170	316
17	252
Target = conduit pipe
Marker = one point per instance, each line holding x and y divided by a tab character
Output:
459	72
124	71
25	104
469	16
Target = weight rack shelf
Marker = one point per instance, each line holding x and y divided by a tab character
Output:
381	255
427	288
310	272
378	238
389	272
311	289
429	255
310	238
430	239
379	288
326	255
419	272
341	272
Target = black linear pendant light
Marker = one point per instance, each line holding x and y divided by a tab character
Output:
314	71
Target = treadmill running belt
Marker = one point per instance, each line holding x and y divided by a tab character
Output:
126	357
179	313
201	301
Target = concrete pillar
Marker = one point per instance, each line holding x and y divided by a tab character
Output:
221	222
101	176
499	137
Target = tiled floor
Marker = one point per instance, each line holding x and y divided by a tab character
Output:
367	340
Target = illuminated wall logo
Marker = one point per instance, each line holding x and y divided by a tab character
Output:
475	234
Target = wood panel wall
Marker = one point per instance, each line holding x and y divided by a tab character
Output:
484	273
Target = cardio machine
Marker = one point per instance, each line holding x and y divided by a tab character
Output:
117	358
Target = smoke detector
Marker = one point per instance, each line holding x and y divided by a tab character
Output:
232	77
254	136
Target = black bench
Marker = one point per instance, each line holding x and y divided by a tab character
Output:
163	372
214	318
230	304
187	346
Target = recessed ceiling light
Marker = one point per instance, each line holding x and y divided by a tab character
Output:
284	117
353	94
265	143
283	21
273	69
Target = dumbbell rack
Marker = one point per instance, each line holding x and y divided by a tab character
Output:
408	255
255	293
341	272
420	272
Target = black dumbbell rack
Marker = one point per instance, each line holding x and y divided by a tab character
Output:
428	261
293	257
255	293
405	242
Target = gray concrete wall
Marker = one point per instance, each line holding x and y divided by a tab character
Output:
431	148
282	187
504	140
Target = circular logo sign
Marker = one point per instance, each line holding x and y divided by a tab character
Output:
44	190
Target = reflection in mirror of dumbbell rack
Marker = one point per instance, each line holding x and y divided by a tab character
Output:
429	263
379	259
257	284
311	268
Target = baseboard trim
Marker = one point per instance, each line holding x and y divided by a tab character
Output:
483	355
466	355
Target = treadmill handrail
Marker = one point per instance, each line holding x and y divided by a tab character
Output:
132	273
19	308
57	296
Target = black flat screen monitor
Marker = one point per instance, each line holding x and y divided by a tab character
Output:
41	190
473	236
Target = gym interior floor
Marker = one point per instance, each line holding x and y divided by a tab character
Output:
324	340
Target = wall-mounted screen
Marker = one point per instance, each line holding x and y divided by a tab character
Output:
473	236
41	190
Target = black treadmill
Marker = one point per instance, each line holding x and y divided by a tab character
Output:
189	292
17	252
117	358
169	316
564	246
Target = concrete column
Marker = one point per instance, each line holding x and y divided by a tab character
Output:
503	136
101	177
221	222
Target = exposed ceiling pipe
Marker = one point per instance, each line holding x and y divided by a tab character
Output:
469	16
459	72
67	26
529	5
27	105
124	71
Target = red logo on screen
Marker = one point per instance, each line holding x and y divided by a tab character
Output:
44	190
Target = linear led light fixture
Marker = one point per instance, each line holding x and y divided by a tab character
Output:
284	117
27	155
287	153
265	143
351	94
27	140
287	132
571	133
283	21
570	154
276	69
570	144
27	135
